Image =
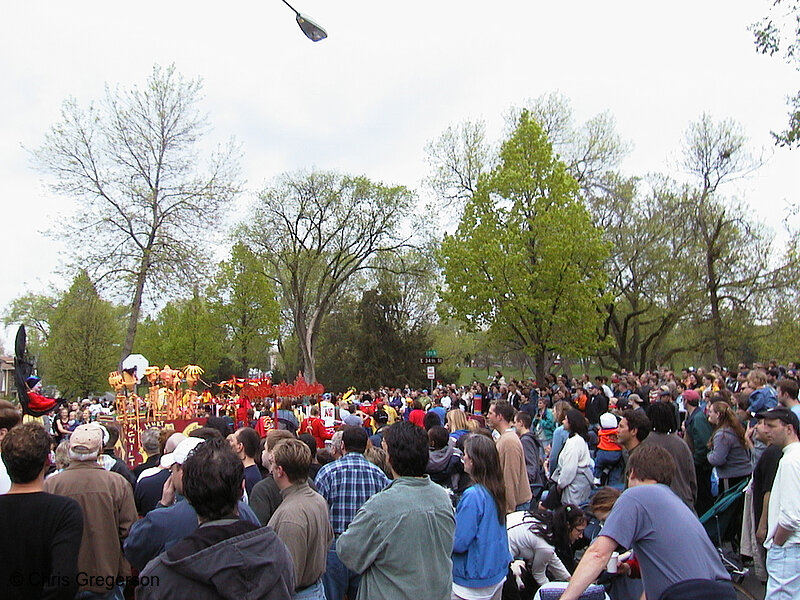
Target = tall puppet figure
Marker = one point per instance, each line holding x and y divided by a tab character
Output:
29	386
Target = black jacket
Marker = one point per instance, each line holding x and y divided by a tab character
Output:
232	560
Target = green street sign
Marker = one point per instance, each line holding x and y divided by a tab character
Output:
430	353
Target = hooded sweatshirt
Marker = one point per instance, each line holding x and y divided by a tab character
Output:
443	464
227	559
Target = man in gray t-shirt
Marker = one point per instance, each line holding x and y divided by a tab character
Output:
666	537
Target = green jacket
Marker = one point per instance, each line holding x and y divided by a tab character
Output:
400	541
698	432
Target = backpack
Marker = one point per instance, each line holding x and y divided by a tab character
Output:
287	425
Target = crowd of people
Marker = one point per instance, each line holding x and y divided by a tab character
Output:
576	488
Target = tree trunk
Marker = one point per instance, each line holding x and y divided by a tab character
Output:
305	340
541	366
136	309
309	366
713	298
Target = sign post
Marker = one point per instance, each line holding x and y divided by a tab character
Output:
430	359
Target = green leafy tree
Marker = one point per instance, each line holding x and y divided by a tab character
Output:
185	332
527	260
315	232
146	201
337	359
35	311
784	331
243	300
459	346
371	342
590	151
82	346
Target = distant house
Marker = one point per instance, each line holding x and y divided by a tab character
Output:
8	388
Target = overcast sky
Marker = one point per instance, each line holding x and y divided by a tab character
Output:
389	78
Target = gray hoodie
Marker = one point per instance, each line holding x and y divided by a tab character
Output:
445	466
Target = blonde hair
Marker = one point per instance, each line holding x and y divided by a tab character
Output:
379	458
456	419
62	454
274	436
757	377
473	426
560	409
294	457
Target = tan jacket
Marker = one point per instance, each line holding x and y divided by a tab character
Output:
301	522
515	475
108	513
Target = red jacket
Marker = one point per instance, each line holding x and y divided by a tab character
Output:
39	402
316	427
608	440
417	417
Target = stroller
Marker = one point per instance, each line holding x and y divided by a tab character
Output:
718	520
721	527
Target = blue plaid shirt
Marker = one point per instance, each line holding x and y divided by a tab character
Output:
346	484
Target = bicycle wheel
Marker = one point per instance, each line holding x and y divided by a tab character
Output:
742	593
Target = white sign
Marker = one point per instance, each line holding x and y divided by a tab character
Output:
431	372
138	361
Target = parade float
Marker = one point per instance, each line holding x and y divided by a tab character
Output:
173	401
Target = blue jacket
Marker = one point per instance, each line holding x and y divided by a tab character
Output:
164	527
560	436
480	546
762	399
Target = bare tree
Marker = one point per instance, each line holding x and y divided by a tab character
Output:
591	151
735	251
148	207
315	232
456	160
653	269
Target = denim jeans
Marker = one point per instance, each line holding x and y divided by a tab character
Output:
114	593
338	580
783	567
611	459
315	591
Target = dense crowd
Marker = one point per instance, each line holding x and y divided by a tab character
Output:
623	487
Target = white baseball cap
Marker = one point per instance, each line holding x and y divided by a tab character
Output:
181	452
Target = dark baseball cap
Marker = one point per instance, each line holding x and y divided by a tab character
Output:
781	413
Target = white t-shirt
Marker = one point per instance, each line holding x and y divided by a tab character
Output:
784	501
483	593
5	480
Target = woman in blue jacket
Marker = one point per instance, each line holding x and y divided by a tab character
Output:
480	546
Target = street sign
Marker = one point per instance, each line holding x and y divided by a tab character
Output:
431	373
430	353
430	360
